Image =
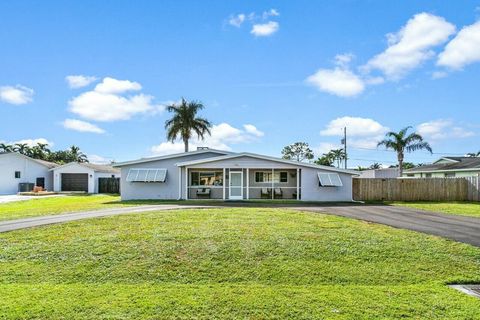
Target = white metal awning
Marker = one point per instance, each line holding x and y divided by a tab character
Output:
329	179
147	175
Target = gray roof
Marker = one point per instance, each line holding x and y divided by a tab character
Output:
456	163
47	164
94	167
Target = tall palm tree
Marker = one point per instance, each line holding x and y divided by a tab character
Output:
185	122
402	142
77	155
6	147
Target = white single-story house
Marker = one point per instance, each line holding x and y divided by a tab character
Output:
385	173
215	174
20	173
447	167
76	176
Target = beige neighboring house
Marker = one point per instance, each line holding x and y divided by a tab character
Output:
76	176
447	167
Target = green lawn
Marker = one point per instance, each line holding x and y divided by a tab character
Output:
458	208
254	263
56	205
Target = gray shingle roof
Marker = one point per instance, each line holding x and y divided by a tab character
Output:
460	163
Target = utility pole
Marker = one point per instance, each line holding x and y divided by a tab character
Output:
345	145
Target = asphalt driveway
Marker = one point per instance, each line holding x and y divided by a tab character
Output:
458	228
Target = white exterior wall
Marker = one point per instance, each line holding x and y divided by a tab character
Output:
73	168
156	190
311	191
29	169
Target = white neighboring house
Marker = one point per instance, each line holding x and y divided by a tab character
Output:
384	173
16	168
224	175
75	176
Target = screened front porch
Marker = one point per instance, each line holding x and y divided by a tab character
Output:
243	183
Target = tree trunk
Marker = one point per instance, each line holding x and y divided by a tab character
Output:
400	163
185	141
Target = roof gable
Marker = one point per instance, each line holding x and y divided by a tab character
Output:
171	156
267	158
90	166
44	163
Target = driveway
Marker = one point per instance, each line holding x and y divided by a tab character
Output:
10	225
458	228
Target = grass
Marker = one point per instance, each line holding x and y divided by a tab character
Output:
247	263
56	205
471	209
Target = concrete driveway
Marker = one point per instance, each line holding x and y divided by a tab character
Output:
458	228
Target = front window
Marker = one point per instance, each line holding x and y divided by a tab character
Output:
207	178
266	176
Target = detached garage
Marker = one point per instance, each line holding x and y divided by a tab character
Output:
81	177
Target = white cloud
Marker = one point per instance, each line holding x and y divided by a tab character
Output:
105	103
343	60
270	13
464	49
33	142
237	20
223	136
16	94
265	29
79	81
82	126
361	132
339	81
111	85
250	128
412	45
96	159
442	129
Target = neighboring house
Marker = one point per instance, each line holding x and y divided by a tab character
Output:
379	173
215	174
447	167
76	176
16	168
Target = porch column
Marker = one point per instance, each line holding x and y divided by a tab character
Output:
248	183
186	183
224	181
179	183
273	185
298	184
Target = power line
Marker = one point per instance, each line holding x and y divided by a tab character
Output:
385	150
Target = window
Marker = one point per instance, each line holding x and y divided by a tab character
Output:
450	175
329	180
428	175
17	175
207	178
266	177
147	175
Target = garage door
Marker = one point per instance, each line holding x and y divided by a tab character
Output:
75	182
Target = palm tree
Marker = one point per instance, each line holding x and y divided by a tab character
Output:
184	122
401	143
6	147
470	154
338	155
22	148
77	155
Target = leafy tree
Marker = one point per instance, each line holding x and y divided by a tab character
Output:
185	122
376	165
6	147
325	160
22	148
402	142
406	165
298	151
470	154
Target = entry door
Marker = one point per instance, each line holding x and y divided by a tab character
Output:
235	192
40	182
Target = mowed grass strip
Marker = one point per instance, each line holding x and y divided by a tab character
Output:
233	263
471	209
57	205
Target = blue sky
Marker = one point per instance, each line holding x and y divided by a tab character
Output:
270	73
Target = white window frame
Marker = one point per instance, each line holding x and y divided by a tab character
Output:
269	173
